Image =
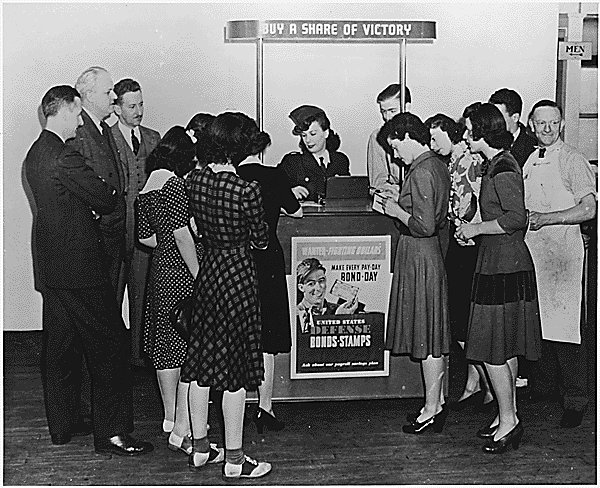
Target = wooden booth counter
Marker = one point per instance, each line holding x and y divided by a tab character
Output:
343	217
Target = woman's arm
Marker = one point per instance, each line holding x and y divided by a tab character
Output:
187	248
149	241
509	190
423	191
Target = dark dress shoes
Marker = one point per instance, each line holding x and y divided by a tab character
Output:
123	445
571	418
82	428
60	439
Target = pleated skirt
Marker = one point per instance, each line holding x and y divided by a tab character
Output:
504	320
418	322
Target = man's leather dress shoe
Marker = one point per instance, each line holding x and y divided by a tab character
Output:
60	439
123	445
81	428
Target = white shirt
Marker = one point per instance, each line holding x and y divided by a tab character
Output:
126	131
95	119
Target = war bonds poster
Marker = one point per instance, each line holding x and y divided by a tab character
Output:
339	305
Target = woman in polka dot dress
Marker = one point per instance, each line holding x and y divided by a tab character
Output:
163	218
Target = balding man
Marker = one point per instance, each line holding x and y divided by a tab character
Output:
96	143
560	194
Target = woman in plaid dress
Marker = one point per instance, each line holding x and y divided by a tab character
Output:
225	350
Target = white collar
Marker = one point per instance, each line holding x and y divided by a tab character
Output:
516	134
126	131
157	179
95	119
251	160
220	168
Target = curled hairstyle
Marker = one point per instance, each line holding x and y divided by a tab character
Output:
333	141
448	125
393	91
125	86
402	124
232	137
199	123
87	80
489	125
56	98
174	152
509	98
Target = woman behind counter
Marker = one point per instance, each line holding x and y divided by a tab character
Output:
308	170
225	348
163	218
418	311
504	321
270	266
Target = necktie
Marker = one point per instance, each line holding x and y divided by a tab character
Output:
104	127
135	142
542	152
322	162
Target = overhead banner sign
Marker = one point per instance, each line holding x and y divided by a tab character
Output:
330	30
339	299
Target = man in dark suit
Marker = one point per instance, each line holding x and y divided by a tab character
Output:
134	143
510	104
94	140
79	309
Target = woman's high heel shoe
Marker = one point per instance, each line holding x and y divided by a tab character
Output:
436	422
265	419
475	400
487	432
513	438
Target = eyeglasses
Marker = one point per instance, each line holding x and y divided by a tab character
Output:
542	124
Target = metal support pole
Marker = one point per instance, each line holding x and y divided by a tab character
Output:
402	90
259	85
259	82
402	74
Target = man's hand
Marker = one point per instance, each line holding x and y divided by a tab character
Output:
537	220
300	192
347	308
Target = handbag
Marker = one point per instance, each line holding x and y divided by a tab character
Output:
181	317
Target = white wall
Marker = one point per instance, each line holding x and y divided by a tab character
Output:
178	54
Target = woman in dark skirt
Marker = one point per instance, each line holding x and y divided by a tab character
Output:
504	321
270	266
225	347
418	311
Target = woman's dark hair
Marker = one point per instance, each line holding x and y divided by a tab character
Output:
333	141
469	109
199	123
454	130
402	124
232	137
489	124
174	152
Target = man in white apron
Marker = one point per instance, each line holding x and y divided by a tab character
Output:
560	193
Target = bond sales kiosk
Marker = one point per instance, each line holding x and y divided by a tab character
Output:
339	356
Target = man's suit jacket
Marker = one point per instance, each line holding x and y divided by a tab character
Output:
66	190
101	155
303	169
523	146
134	169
